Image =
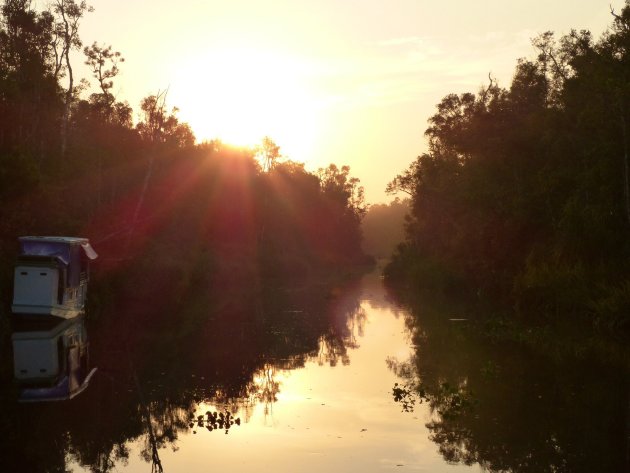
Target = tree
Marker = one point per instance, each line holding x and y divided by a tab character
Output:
405	182
103	63
339	187
69	14
159	126
268	153
524	192
29	94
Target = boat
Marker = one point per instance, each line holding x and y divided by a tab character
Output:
51	276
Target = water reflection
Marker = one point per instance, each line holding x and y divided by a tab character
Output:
507	408
266	365
155	377
50	358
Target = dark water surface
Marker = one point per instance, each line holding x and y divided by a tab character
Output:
303	382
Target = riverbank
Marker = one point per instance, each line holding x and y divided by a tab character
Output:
557	338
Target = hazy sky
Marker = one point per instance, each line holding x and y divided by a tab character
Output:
345	81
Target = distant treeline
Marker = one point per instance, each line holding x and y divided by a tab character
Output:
154	204
523	197
383	227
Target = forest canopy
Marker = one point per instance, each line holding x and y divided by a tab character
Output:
523	196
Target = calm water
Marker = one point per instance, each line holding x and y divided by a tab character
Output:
305	380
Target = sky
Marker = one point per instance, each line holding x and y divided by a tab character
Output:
330	81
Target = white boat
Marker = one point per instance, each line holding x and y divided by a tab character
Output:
51	276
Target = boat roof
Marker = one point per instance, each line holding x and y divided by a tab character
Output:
49	246
56	239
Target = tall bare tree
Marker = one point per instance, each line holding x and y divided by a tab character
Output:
68	14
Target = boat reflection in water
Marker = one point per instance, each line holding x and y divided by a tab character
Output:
50	358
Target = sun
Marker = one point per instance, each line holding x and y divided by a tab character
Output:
240	95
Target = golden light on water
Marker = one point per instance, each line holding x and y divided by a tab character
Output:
241	94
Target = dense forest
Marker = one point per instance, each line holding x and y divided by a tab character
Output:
162	211
523	197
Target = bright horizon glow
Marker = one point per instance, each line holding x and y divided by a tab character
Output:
241	94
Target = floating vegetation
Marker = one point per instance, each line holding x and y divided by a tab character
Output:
213	421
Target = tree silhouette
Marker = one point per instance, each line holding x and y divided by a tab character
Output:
523	197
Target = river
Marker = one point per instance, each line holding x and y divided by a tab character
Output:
304	383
